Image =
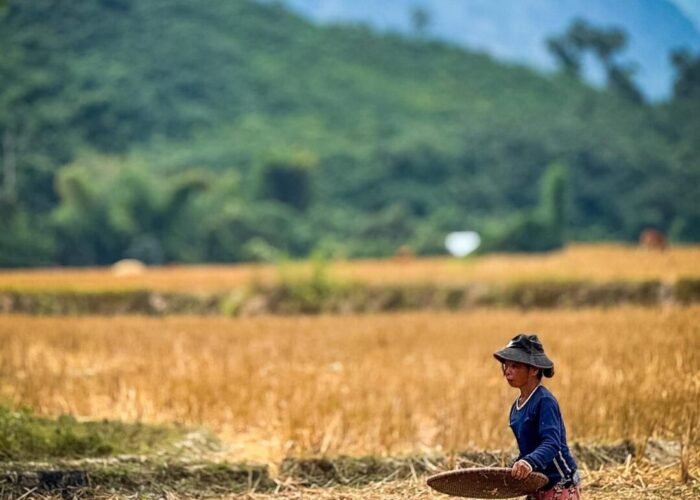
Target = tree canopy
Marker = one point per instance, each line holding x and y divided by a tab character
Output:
226	131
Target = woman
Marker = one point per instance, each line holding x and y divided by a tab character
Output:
536	420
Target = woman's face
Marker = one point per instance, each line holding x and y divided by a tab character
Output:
518	374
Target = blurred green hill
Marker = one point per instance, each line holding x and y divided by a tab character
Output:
228	131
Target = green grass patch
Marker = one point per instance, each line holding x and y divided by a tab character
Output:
25	436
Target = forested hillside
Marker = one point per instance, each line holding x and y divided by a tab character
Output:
516	30
227	131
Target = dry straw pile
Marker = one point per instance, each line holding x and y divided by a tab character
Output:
375	384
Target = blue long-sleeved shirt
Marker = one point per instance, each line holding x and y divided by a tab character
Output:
539	430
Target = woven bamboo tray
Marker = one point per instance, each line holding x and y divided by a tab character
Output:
486	482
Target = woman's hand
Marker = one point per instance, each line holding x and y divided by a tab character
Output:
521	469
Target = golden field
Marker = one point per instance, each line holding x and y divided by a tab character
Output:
597	263
372	384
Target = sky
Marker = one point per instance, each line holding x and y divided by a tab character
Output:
691	8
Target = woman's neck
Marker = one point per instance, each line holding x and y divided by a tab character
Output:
527	389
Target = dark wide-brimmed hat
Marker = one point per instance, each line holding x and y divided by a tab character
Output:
527	349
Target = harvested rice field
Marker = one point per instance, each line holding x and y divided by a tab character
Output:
591	263
625	482
380	385
282	392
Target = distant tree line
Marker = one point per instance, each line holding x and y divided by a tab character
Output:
581	38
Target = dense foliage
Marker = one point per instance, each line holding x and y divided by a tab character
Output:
226	131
